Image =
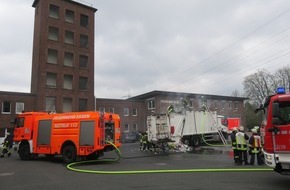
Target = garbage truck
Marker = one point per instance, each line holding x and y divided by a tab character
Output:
186	126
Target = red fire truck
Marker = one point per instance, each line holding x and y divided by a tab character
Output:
277	131
72	135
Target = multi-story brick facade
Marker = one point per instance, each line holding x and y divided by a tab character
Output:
63	56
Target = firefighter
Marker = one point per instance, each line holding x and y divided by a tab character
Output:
185	103
234	144
255	146
258	129
7	145
170	109
144	141
141	141
241	139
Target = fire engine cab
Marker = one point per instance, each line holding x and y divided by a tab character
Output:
277	131
72	135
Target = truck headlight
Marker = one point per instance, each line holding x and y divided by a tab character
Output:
269	157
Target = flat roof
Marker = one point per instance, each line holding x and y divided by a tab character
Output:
183	94
87	5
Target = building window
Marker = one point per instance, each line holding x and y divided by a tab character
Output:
84	20
83	83
69	37
6	107
51	80
52	56
68	82
53	33
151	104
126	127
67	105
216	104
230	105
126	111
69	16
19	107
223	104
191	103
68	59
83	104
134	112
135	127
84	40
83	61
236	105
111	110
102	109
208	104
50	104
201	102
53	11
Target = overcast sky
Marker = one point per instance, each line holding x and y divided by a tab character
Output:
195	46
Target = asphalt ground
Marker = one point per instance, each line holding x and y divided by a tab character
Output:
46	174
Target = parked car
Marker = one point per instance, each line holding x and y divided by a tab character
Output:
130	137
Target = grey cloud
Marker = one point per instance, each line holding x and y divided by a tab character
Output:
201	46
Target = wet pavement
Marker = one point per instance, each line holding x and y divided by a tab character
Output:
50	175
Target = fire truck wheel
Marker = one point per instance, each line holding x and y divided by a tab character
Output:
69	154
186	141
24	152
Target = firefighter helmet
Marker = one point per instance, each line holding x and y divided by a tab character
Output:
256	127
254	130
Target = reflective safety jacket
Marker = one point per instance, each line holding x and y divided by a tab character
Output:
233	139
145	139
241	139
255	144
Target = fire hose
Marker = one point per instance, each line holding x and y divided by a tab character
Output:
72	167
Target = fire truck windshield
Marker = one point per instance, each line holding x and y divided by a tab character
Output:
284	113
19	122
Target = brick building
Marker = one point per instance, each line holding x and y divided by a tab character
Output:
63	56
134	111
62	78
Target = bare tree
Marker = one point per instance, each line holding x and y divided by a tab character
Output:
259	85
282	77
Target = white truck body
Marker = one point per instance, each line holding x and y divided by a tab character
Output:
190	125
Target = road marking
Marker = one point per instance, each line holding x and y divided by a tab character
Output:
5	174
161	164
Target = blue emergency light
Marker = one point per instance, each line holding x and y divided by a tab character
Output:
280	90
